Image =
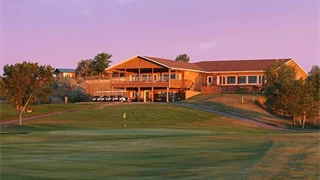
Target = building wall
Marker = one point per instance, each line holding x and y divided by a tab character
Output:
196	78
68	74
300	72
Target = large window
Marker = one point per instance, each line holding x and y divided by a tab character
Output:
165	77
242	79
252	79
231	80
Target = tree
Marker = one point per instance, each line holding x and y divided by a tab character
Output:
100	63
84	68
279	83
66	86
183	58
313	82
290	97
24	83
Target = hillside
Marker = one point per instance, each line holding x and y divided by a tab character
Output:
233	103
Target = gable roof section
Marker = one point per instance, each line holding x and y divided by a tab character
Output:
239	65
172	64
65	70
167	63
212	66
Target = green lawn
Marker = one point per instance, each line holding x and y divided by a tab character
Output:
233	103
8	112
161	142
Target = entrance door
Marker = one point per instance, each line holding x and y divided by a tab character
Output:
209	80
145	96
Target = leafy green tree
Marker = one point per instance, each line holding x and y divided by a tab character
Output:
290	97
183	58
313	85
25	83
84	68
66	86
279	83
100	63
294	105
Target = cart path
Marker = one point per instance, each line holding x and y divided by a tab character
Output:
235	116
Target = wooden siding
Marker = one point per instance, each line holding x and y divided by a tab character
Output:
300	72
136	63
195	78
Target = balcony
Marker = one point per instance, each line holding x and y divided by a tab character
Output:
144	82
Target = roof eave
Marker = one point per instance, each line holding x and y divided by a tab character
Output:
297	64
234	71
111	67
143	57
189	70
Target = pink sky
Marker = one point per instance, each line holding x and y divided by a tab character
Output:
62	32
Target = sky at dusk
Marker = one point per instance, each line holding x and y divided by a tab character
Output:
62	32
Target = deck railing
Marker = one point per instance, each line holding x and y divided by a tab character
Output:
149	82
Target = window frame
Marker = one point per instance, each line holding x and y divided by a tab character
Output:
227	80
245	79
252	82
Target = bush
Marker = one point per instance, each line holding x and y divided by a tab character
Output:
66	86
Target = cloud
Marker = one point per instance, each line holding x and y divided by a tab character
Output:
207	45
87	11
125	1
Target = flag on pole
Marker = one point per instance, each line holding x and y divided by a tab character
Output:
124	115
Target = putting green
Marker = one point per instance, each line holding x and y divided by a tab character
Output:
153	132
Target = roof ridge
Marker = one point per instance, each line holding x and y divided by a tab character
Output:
233	60
175	64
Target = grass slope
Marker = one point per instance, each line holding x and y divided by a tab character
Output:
7	111
233	103
161	142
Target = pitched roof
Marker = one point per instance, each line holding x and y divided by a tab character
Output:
173	64
65	70
239	65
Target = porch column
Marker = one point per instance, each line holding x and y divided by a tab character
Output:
152	79
167	99
236	80
111	81
138	94
183	81
218	80
139	75
152	94
169	71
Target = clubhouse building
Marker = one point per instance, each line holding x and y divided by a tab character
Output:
156	79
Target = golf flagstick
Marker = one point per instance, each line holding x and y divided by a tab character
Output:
125	120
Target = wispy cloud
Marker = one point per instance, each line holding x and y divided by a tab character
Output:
125	1
87	11
207	45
